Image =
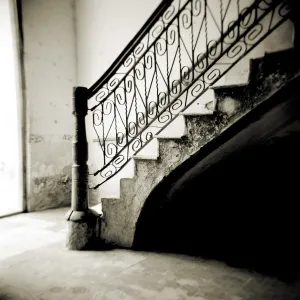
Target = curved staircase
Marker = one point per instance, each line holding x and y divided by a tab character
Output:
267	76
265	67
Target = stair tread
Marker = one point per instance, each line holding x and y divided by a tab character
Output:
229	86
144	157
170	137
196	113
110	199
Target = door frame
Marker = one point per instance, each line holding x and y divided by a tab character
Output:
17	32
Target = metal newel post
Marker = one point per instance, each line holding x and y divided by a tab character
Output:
82	221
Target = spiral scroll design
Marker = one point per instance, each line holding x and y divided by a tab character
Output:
173	64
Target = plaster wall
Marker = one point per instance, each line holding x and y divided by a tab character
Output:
50	74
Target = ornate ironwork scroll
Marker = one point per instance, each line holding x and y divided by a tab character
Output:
189	48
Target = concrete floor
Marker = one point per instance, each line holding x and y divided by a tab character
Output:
35	265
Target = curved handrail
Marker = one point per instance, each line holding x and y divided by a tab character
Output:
239	37
119	61
209	49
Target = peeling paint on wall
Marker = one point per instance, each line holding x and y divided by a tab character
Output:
67	137
51	192
35	138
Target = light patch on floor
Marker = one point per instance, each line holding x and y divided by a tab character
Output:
34	264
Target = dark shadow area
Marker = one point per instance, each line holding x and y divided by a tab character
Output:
242	210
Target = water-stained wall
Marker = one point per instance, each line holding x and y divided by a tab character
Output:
50	74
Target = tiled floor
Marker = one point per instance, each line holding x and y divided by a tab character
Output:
35	265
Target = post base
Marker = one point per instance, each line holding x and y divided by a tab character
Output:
83	230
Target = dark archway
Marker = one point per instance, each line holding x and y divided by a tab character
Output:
242	208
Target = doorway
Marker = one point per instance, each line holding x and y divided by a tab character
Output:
11	187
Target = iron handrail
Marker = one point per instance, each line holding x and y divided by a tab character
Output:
201	79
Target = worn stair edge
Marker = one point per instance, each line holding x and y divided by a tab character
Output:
205	110
204	104
176	128
229	86
145	157
209	112
169	137
110	199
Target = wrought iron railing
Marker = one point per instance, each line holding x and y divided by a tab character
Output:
185	47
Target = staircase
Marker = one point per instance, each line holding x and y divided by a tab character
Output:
266	65
268	75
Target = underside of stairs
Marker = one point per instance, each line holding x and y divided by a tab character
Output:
225	106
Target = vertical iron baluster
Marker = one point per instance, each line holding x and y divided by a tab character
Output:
192	41
167	54
126	121
206	31
179	49
238	8
103	134
146	98
222	24
156	78
134	95
115	113
256	11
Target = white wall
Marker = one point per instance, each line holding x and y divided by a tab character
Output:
10	150
50	73
104	28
